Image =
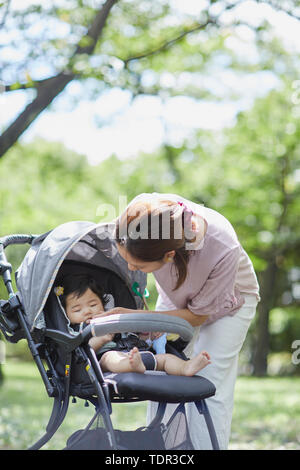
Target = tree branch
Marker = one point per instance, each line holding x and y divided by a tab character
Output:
2	23
168	44
45	96
48	89
35	84
277	5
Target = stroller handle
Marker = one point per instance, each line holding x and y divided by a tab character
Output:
16	239
138	322
5	267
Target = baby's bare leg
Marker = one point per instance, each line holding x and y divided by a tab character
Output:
114	361
173	365
118	361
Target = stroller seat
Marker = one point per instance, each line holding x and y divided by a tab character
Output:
159	386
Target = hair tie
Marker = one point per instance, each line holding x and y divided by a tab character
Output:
189	231
187	215
59	290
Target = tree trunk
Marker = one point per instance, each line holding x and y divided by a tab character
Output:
268	295
45	95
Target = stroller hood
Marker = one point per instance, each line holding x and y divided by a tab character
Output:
79	241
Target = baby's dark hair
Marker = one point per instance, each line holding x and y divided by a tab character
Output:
78	284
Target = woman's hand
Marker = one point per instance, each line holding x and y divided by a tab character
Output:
119	310
116	311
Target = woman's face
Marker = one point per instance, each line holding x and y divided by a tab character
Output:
136	264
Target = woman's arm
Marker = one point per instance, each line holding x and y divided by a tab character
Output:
186	314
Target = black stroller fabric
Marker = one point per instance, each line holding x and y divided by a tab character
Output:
97	439
171	436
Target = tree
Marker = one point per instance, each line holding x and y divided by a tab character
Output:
113	42
260	192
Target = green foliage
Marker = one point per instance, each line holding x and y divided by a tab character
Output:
262	155
41	193
42	185
284	328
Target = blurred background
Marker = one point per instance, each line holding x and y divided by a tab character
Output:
107	99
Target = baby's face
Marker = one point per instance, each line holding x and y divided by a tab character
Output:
81	309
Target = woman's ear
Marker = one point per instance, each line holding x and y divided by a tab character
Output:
169	256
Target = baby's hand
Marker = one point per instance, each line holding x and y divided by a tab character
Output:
99	341
108	337
155	335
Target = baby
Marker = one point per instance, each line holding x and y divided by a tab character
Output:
82	299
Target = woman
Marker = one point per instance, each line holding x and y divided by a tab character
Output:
202	275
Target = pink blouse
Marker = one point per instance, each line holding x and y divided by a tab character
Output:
219	271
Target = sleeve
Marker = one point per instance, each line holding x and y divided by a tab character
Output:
163	302
140	197
217	296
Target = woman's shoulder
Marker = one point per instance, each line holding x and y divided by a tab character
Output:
219	229
154	196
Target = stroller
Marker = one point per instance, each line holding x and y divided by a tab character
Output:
68	365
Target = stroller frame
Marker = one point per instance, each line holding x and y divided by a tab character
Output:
14	326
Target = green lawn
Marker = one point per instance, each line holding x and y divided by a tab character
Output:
266	415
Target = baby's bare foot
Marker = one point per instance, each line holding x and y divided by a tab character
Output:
135	361
197	363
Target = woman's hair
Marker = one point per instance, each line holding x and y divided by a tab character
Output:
78	284
148	230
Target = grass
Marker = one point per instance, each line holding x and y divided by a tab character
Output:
266	414
25	409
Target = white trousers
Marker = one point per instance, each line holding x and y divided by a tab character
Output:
223	340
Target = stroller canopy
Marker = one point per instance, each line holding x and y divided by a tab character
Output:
78	241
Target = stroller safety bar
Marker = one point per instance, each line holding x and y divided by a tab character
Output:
123	323
140	322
